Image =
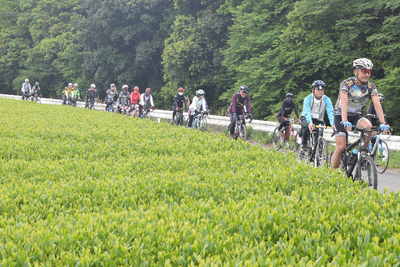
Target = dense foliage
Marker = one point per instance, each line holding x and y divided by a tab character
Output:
91	193
272	46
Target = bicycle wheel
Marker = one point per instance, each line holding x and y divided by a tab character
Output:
277	139
321	153
204	125
38	101
368	174
243	132
292	140
381	156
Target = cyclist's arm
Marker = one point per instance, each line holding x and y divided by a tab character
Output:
248	105
186	107
329	109
233	105
295	110
203	104
151	101
307	108
283	109
344	99
378	108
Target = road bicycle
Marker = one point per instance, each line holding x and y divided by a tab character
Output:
146	112
111	108
379	152
35	98
317	148
89	104
134	110
178	118
200	121
356	159
287	135
240	127
124	109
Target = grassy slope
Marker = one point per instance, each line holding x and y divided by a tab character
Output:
92	187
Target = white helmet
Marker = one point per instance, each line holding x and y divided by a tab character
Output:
93	86
26	80
75	84
124	86
363	63
70	84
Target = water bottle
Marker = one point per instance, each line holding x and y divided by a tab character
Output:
299	140
370	147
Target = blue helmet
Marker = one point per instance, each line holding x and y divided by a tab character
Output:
200	92
318	84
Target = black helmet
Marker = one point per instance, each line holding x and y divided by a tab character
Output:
244	88
318	84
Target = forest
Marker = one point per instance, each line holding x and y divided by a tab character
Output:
273	46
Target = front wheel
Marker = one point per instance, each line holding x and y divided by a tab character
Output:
277	139
321	153
38	101
381	156
243	132
368	174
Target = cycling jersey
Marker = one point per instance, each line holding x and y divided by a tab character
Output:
198	104
357	96
315	108
238	103
91	94
35	90
145	99
179	101
135	97
287	109
124	97
73	94
111	94
26	88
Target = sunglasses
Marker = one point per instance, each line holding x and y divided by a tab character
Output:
200	95
366	71
244	91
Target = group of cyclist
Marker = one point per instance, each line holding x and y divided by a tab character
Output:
353	95
27	91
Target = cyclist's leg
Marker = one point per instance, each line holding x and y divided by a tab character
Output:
364	122
64	99
340	137
173	112
233	124
190	121
305	133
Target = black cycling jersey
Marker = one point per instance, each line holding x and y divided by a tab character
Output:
372	116
179	101
287	109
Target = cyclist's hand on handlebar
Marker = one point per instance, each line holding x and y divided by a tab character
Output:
250	116
384	128
284	118
347	125
310	126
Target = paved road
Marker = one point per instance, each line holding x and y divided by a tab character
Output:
389	179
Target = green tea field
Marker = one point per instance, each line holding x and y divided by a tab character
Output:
81	187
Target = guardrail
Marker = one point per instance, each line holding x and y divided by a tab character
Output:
258	125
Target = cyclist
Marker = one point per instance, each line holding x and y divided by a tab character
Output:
78	93
66	92
239	100
371	113
135	99
179	100
314	107
110	96
353	94
73	96
36	90
124	97
90	95
25	89
198	104
145	98
284	114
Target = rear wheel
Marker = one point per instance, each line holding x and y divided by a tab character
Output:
321	154
277	140
381	156
368	174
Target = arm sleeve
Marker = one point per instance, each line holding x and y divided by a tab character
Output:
204	104
283	109
233	104
186	103
248	105
175	101
329	109
295	110
151	101
307	108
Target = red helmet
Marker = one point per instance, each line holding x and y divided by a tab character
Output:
136	88
180	89
148	90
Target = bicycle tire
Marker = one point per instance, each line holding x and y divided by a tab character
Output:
369	173
38	101
295	146
381	156
243	132
276	140
204	126
321	153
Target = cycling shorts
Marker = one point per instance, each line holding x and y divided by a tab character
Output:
339	128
